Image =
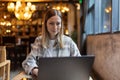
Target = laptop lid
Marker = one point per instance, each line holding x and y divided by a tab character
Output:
65	68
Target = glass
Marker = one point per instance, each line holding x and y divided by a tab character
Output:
89	22
106	15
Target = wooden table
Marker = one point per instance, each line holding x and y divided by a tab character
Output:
22	76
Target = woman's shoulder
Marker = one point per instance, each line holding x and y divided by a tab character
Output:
66	38
38	37
37	42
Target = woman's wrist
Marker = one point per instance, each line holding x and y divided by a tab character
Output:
35	71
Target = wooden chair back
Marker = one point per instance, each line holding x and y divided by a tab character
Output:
4	64
2	57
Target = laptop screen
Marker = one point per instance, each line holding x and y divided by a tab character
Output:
65	68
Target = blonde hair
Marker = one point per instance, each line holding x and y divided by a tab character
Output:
45	33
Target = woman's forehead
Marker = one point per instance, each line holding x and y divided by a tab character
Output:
53	18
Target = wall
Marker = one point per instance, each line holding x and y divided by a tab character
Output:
71	18
106	48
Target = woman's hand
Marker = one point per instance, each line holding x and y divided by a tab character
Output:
35	71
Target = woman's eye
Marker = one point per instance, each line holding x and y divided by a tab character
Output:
52	23
58	23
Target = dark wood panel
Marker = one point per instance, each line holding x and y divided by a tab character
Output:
106	49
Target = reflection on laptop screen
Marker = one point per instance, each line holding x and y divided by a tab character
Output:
65	68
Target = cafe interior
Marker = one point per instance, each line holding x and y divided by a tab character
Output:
21	22
94	25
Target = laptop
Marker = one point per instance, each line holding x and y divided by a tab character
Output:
65	68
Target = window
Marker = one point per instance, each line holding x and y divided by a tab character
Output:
89	23
103	16
106	15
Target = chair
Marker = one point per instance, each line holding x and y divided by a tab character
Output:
4	64
10	43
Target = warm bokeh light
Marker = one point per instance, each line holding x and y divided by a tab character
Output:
61	7
108	10
22	10
66	32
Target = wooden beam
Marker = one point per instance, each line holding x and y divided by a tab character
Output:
36	0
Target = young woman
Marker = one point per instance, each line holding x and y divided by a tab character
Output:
52	43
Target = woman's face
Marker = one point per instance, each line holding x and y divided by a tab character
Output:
54	26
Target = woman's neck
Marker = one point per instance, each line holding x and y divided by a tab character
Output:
52	37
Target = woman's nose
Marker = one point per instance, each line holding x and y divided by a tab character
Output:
55	26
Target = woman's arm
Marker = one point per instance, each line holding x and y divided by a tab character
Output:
74	51
31	61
